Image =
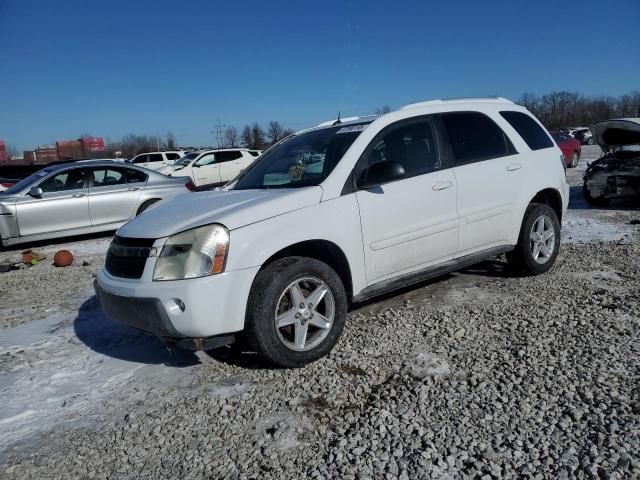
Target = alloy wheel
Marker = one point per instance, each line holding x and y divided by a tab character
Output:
304	314
542	239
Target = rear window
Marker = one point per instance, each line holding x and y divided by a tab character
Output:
533	135
475	137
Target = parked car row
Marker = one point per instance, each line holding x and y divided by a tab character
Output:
335	215
211	168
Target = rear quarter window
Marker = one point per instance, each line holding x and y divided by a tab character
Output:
532	133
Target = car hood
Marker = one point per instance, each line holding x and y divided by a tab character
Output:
620	132
232	208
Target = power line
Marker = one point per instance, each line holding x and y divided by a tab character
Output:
218	132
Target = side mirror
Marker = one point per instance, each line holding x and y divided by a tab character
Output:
196	165
35	192
379	173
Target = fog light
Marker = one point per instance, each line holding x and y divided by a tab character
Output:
180	304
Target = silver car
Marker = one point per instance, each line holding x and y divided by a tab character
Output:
80	198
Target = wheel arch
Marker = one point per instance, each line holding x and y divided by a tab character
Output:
551	197
322	250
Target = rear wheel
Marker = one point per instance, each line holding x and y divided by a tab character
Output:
296	311
590	141
575	158
538	243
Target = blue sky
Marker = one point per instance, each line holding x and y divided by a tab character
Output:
115	67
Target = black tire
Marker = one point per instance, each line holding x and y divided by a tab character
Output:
575	159
269	287
594	201
590	141
521	259
146	205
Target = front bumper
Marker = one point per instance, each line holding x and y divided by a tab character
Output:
196	308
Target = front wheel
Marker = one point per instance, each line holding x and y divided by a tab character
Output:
539	241
296	311
590	141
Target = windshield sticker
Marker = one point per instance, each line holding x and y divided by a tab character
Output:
352	128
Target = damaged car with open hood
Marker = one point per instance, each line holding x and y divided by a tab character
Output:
615	175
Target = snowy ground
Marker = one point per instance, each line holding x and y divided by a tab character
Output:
67	372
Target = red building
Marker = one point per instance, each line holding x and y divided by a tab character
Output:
4	155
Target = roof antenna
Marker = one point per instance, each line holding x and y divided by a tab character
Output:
338	121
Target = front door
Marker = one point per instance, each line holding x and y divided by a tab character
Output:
411	223
206	170
63	205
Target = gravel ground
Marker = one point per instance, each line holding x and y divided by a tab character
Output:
476	375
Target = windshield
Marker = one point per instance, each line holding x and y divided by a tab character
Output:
186	160
25	182
302	160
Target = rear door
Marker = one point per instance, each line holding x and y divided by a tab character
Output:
206	170
231	163
111	198
411	223
488	173
62	206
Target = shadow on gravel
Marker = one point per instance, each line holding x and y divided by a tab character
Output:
240	355
109	338
577	202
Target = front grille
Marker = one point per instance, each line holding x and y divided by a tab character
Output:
127	257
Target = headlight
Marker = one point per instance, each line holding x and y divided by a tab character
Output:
195	253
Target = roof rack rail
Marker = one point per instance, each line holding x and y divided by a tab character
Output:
459	100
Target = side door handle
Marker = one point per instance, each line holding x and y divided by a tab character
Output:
78	195
441	185
512	167
133	189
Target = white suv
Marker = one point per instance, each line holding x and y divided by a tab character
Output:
157	160
335	215
211	168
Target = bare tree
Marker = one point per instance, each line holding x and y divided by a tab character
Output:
257	136
13	152
247	137
274	132
384	109
171	141
231	137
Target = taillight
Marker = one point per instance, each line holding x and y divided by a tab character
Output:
7	185
190	186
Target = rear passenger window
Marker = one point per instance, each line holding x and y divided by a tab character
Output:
475	137
534	136
156	157
412	145
228	156
107	177
135	176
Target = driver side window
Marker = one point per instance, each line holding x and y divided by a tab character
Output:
207	159
64	181
411	145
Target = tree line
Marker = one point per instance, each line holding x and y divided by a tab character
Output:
557	110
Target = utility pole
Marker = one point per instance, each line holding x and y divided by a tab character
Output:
218	132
